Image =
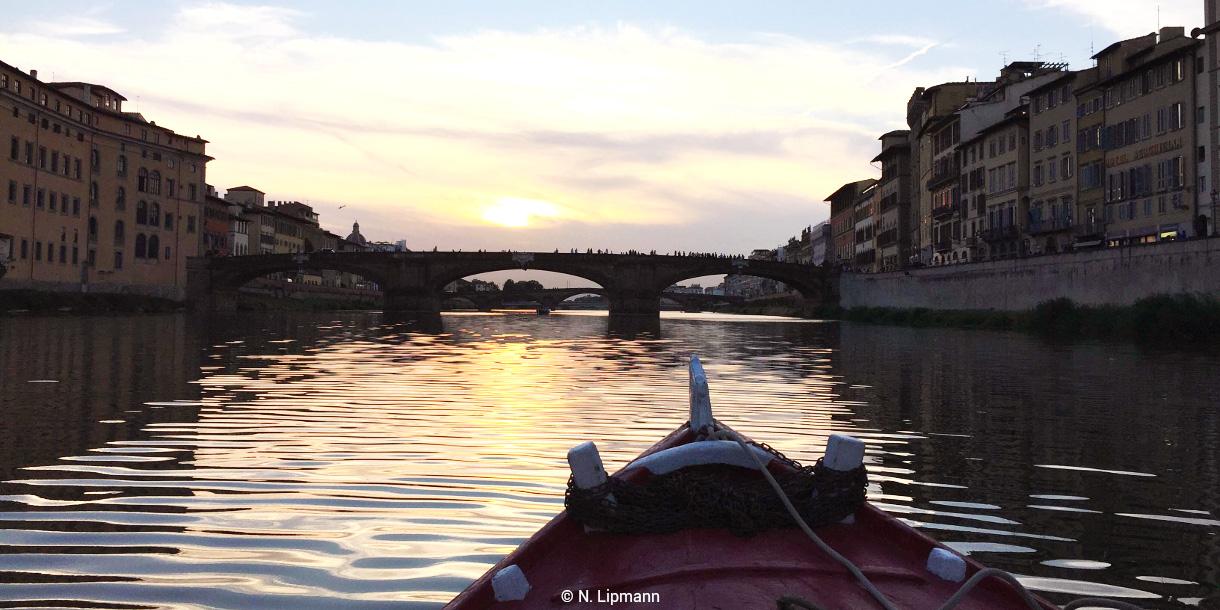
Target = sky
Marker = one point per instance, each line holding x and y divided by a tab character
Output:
686	125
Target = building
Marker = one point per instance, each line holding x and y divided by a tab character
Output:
843	221
1151	150
217	226
1006	201
1088	229
865	258
821	244
94	197
1052	162
894	192
1208	87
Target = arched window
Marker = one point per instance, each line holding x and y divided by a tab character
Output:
154	182
169	220
142	180
142	212
120	199
141	245
119	231
153	245
122	167
154	214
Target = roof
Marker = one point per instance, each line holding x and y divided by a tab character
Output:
1054	82
1151	54
246	188
66	84
856	187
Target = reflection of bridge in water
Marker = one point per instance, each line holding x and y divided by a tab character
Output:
413	282
552	298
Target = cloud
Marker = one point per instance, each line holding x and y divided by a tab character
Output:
623	126
1129	18
902	40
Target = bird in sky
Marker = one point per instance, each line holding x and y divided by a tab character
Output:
343	206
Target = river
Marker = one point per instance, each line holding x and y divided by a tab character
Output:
294	460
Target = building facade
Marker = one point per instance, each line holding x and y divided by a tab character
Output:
894	201
1052	163
1151	153
843	221
95	198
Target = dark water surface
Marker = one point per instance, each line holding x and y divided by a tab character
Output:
342	461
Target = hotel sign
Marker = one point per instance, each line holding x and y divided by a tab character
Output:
1147	151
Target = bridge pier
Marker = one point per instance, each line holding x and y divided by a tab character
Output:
412	301
634	303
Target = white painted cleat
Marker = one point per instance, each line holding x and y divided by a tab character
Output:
509	584
700	399
947	565
843	453
586	464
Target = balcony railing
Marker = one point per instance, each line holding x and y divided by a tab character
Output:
1089	229
1000	233
1049	225
943	211
887	238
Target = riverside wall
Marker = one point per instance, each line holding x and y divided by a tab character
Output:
1112	276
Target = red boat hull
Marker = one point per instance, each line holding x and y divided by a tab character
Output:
710	569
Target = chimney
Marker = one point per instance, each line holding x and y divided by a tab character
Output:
1168	33
34	74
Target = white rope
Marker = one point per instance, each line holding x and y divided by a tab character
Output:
872	590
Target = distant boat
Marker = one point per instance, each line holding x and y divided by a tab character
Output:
542	310
611	544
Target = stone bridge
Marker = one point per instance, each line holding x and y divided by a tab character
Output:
552	297
413	282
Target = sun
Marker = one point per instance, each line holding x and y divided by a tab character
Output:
516	213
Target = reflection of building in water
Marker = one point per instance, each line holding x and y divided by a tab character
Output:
102	367
986	409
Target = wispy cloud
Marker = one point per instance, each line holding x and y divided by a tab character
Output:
1127	18
622	126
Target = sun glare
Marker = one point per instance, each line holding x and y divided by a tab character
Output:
517	213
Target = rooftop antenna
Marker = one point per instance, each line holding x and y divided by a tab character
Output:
1038	52
1158	17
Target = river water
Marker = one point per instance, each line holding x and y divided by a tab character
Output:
341	460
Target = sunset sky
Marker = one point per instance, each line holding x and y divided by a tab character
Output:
697	125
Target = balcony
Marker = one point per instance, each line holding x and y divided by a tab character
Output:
944	245
943	211
1089	229
1049	225
887	238
866	257
1000	233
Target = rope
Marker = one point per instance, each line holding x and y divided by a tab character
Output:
872	590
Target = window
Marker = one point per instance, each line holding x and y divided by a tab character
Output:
141	245
25	195
42	198
1200	115
1065	166
63	253
154	214
37	250
1052	171
29	153
14	150
142	180
54	201
1175	116
118	260
169	187
154	245
95	159
169	221
119	233
120	199
1038	174
154	182
92	228
167	253
191	192
122	165
142	214
42	157
1038	140
190	223
12	191
93	194
76	206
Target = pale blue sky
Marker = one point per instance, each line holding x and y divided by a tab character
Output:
693	125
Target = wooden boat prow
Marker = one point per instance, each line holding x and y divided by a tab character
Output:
566	566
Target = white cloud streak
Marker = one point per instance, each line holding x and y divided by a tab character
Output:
620	127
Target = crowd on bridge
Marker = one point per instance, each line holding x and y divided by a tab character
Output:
682	253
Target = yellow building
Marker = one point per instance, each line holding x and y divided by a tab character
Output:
94	198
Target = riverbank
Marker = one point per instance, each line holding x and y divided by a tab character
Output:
19	302
1169	320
